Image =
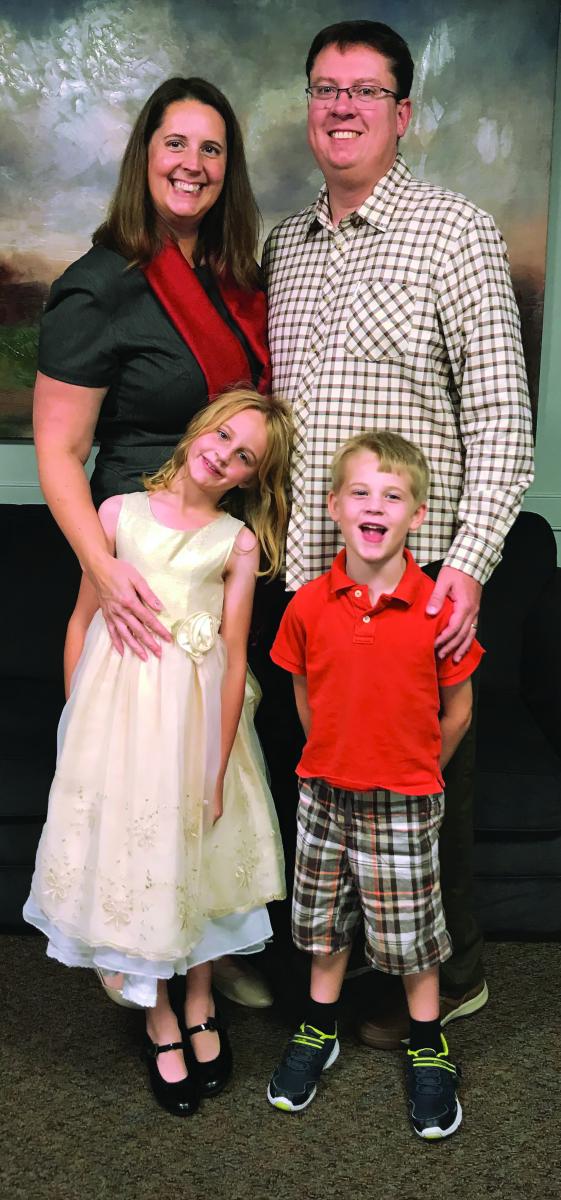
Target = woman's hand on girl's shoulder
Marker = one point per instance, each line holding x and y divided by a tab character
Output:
127	602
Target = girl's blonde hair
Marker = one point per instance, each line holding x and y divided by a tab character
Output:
263	505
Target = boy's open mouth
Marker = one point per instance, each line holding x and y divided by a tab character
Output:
372	532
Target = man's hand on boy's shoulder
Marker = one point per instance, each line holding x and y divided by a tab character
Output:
465	593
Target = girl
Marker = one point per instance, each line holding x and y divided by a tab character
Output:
161	846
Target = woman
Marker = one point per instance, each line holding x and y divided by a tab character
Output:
163	312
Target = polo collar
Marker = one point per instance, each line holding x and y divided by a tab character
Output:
378	208
405	593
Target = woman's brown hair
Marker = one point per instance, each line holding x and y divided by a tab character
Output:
228	233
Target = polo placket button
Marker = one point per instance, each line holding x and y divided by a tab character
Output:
366	619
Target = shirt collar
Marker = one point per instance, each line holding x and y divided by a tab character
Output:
377	210
405	592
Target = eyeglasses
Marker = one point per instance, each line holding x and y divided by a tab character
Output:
363	93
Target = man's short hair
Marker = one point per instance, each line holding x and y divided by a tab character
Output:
394	453
368	33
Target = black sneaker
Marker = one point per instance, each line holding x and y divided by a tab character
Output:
431	1085
294	1083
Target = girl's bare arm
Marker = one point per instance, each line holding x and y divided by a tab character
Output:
239	587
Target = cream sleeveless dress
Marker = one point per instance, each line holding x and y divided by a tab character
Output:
131	875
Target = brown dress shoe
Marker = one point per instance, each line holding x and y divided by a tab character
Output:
389	1028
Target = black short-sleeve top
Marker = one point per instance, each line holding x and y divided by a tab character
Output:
103	327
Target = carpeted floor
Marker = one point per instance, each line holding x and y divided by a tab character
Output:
78	1120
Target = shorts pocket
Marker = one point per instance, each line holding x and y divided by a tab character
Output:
380	320
435	808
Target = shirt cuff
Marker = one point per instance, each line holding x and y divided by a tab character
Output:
473	556
287	664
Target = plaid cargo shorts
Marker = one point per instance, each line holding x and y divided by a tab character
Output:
374	853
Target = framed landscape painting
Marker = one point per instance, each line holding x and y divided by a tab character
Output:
74	74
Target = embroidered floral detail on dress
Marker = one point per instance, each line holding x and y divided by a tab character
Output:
85	810
118	910
57	883
185	910
144	830
196	634
245	869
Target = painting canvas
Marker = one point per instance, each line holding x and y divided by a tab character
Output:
74	74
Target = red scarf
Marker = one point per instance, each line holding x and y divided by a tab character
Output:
217	350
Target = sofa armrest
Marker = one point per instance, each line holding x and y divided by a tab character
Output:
541	661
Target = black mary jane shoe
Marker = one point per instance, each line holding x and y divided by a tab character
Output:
181	1098
212	1076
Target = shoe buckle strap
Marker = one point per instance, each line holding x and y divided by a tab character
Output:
211	1024
154	1050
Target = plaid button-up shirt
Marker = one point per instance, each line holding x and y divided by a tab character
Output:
402	317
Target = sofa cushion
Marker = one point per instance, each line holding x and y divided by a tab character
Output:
520	907
510	594
44	577
518	773
14	890
537	855
29	714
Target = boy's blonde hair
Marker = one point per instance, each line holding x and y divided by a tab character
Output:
394	453
263	505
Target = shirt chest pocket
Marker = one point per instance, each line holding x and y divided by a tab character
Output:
380	320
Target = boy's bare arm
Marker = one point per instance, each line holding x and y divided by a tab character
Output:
301	696
455	717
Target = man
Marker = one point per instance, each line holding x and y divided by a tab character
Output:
391	307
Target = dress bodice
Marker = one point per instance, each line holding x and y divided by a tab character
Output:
183	567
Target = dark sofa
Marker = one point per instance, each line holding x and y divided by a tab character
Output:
518	769
518	785
40	583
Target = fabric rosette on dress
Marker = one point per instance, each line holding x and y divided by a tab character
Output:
196	634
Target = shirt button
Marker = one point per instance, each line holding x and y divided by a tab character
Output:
366	620
358	593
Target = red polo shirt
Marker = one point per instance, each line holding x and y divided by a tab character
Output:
373	680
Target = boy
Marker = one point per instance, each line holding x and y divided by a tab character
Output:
382	716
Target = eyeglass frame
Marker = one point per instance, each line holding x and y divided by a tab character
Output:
349	90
